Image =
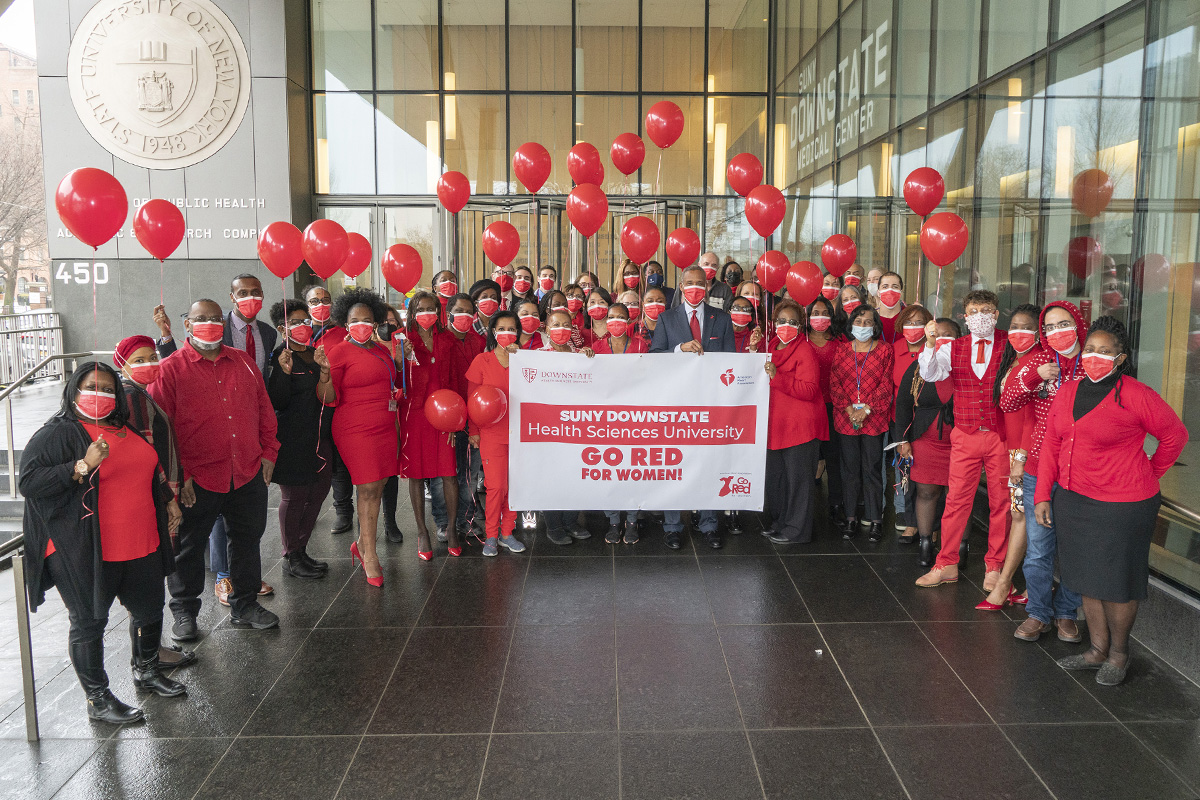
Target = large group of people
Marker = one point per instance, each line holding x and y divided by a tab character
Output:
148	466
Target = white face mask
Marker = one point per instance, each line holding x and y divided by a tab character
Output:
981	325
873	288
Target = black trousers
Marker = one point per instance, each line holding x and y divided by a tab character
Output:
343	489
245	512
862	474
831	453
790	489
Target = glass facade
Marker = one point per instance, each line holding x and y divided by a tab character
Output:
1011	101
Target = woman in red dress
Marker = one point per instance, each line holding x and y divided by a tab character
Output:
824	335
365	382
426	452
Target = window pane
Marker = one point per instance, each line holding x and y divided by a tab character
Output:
607	42
341	44
850	79
911	50
682	166
957	48
951	150
409	143
739	125
1002	168
475	144
345	137
545	119
878	81
355	219
1016	30
474	44
729	235
599	119
406	44
539	46
1074	14
1174	56
1106	61
737	45
414	226
673	46
785	171
787	35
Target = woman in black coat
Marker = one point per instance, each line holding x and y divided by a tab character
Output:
99	514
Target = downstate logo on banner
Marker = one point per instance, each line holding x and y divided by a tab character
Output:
653	431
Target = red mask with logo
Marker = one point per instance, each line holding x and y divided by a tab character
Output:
530	323
741	318
914	333
146	374
426	319
320	312
598	312
889	297
505	338
249	306
618	327
574	304
694	294
1063	340
654	309
462	321
487	306
95	405
1022	341
522	285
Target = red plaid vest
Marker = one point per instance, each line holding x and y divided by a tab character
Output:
973	405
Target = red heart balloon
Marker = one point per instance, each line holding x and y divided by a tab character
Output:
683	247
325	246
943	238
587	208
1091	192
159	227
583	162
92	204
501	242
628	152
487	405
640	239
402	267
531	164
772	270
744	172
445	410
1084	256
453	190
804	282
358	257
664	123
923	190
838	254
281	248
765	208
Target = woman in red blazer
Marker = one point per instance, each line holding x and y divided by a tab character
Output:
1104	492
796	426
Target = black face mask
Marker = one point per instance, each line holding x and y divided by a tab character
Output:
733	278
385	331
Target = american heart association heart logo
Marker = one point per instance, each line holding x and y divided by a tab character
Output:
727	377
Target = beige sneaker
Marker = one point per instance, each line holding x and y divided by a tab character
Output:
990	579
939	575
222	590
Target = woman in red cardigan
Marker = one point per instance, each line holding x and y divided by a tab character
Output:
796	425
1105	510
860	385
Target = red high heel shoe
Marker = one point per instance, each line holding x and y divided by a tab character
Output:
354	553
454	551
988	606
425	555
1018	599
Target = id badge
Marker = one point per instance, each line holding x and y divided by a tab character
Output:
392	406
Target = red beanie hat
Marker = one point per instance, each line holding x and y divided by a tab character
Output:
126	346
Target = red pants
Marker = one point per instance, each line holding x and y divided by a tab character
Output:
495	480
969	452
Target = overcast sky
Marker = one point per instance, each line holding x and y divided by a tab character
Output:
16	27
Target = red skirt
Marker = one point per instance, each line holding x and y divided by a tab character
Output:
424	451
931	457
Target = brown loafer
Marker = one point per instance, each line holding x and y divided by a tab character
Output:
222	590
1068	631
265	589
939	575
1032	629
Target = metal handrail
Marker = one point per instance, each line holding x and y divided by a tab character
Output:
15	543
16	546
4	395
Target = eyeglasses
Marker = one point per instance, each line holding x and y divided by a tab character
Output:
207	319
1062	326
317	302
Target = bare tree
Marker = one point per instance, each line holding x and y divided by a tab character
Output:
22	203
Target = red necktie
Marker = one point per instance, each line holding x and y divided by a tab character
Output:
250	351
695	326
979	351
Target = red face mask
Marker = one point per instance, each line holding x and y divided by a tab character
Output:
208	332
361	331
1022	340
145	374
634	310
574	304
521	285
462	321
95	405
320	312
587	288
618	327
1111	299
249	306
829	292
941	340
1098	366
654	309
819	323
546	283
631	281
504	279
786	332
301	333
505	338
447	288
426	319
850	305
914	333
751	299
487	306
710	273
851	280
598	312
1062	341
889	297
741	318
560	336
694	294
530	323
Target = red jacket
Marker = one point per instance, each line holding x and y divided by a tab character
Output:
461	354
1106	444
862	378
797	410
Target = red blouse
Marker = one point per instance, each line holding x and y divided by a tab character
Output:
486	370
633	346
862	378
1107	445
824	356
128	521
797	413
741	341
902	358
461	352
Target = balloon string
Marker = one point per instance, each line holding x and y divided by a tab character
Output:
658	180
161	281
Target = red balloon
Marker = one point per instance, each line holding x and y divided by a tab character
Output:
923	190
501	242
640	239
683	247
772	270
804	282
583	162
281	248
453	190
765	208
531	163
92	204
325	247
664	123
358	257
943	238
838	254
1084	256
744	172
159	227
628	152
1152	273
487	405
402	267
1091	192
587	208
445	410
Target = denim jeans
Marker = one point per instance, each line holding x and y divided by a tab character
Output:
673	521
1044	604
437	499
218	549
468	475
614	517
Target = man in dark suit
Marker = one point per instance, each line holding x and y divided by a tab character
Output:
693	326
719	294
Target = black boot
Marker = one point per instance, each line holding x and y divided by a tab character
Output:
312	562
343	523
875	533
837	515
297	567
390	528
849	528
147	674
926	551
102	705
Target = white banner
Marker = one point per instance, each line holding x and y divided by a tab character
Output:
653	431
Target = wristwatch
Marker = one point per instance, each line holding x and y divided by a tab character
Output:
81	468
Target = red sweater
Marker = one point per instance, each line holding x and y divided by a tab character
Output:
797	411
1107	444
862	378
461	354
633	346
824	357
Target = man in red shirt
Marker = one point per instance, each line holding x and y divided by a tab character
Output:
225	427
